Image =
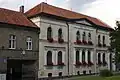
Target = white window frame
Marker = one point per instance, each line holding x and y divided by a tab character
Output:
13	42
28	42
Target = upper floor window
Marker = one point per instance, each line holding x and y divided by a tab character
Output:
84	36
60	39
99	39
89	36
29	43
49	58
78	35
60	33
104	41
49	33
12	41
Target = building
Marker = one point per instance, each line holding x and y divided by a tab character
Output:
70	43
18	46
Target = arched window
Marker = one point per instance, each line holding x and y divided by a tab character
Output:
103	57
60	57
49	58
99	58
60	33
89	56
89	36
77	57
49	33
78	35
83	56
98	39
104	41
84	36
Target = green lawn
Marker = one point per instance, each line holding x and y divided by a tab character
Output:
98	78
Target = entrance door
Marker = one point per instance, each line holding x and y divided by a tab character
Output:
14	70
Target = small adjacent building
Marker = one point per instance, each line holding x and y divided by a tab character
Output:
18	46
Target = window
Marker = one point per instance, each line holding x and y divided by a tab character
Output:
29	43
103	57
60	39
49	33
78	35
103	39
104	61
49	58
99	59
84	36
98	39
60	33
83	56
89	56
77	57
59	58
104	45
89	37
12	41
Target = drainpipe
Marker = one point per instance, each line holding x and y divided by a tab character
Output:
68	46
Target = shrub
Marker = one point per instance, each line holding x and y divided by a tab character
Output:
105	73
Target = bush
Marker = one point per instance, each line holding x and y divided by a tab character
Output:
105	73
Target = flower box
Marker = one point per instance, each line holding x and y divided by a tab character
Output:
84	42
78	63
50	40
104	45
60	40
100	63
61	63
104	63
50	64
84	63
90	43
90	63
78	41
100	45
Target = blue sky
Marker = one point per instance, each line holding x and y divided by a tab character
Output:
106	10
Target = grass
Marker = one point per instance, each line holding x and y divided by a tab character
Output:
98	78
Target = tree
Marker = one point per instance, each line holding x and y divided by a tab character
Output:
115	42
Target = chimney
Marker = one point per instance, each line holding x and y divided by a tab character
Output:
22	9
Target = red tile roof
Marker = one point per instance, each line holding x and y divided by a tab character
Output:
52	10
14	17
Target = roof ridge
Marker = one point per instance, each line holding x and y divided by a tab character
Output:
10	10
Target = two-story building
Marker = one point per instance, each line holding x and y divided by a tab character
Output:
70	43
18	46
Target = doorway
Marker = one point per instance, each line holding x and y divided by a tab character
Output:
14	70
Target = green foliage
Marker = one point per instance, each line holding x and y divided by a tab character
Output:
105	73
115	42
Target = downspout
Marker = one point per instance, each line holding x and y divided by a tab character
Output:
68	46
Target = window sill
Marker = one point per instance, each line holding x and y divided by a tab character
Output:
12	48
29	49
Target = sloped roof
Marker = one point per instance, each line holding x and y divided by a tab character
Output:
14	17
52	10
